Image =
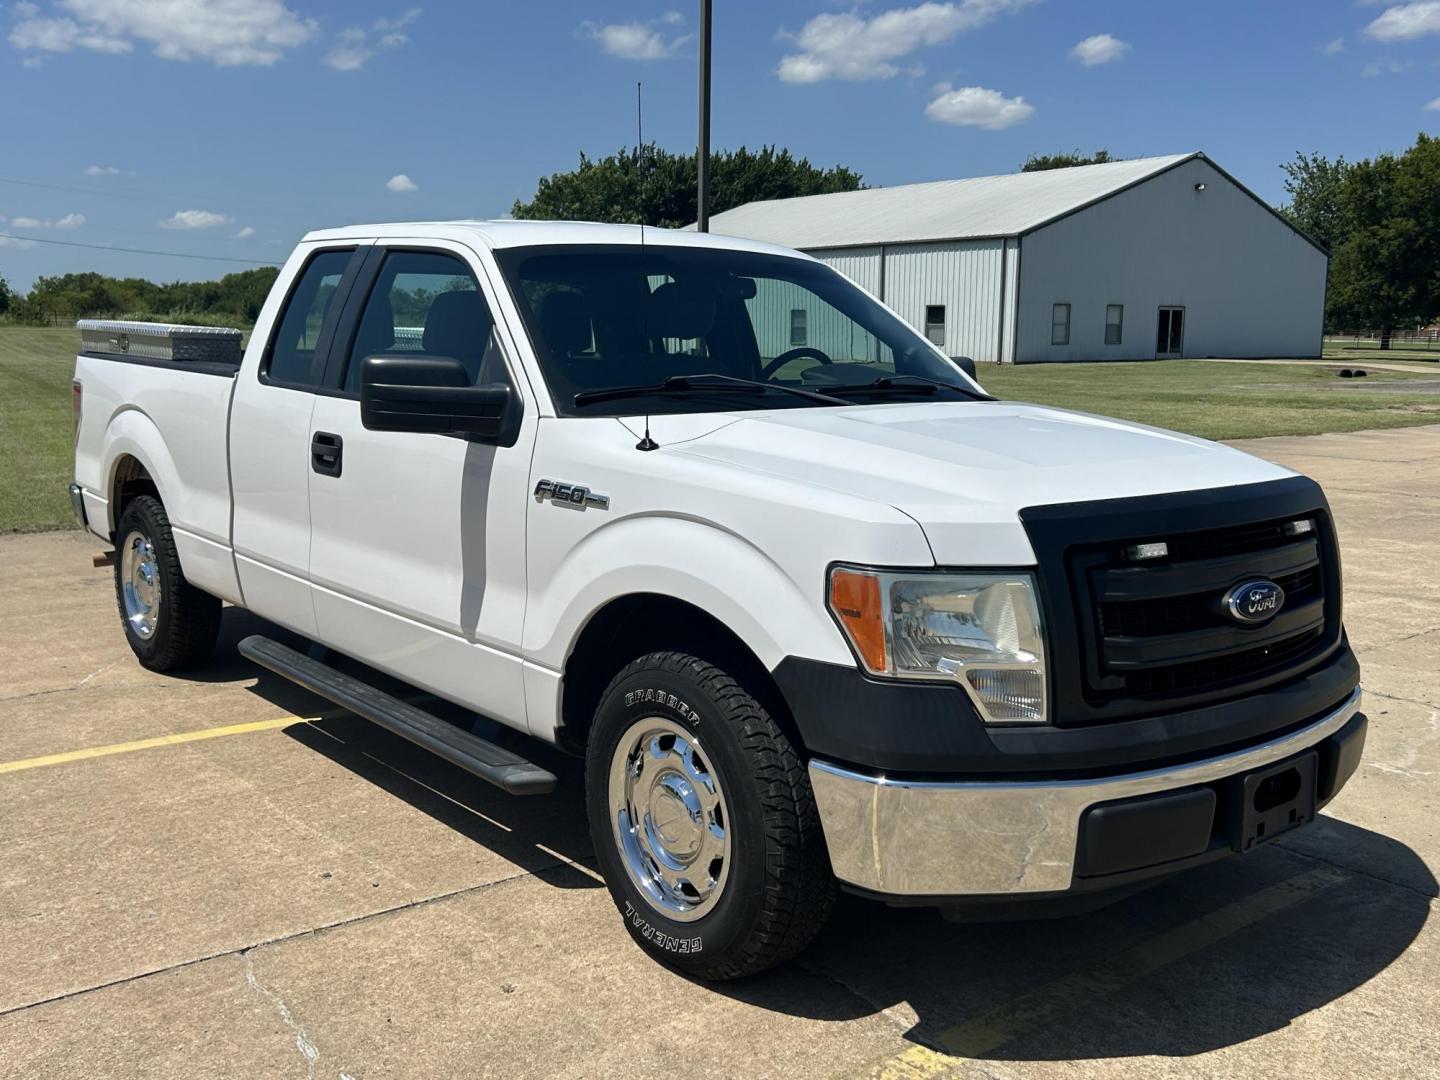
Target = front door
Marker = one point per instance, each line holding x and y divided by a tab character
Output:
417	552
1170	334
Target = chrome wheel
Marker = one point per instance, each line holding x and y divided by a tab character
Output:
669	817
140	584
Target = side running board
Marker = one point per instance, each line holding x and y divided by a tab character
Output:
499	766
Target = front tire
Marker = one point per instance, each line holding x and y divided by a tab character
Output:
169	624
703	820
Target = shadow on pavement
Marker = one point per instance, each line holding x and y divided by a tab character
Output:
541	834
1233	965
1089	986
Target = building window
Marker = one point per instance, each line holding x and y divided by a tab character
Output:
797	327
1060	324
1114	323
935	323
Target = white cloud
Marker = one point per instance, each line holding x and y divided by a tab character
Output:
101	170
640	40
975	106
24	10
1386	67
847	45
1099	49
69	221
195	219
356	45
224	32
15	242
62	35
245	233
400	183
1334	47
1433	106
1405	22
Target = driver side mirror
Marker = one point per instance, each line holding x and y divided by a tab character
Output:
432	394
965	364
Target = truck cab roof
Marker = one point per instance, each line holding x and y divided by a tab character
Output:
510	233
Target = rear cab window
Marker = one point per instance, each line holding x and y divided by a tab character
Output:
294	356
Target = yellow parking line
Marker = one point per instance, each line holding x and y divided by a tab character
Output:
1030	1012
150	744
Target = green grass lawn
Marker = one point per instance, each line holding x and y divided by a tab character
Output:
37	434
1219	401
1223	401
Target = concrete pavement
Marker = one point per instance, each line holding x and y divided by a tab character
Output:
260	897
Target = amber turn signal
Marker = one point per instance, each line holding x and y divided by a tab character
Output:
855	600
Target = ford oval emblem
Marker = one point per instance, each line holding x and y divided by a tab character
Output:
1253	602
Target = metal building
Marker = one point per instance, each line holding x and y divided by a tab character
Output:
1150	258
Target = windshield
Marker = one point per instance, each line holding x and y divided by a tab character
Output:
626	317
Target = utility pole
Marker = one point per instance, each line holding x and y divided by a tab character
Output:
702	156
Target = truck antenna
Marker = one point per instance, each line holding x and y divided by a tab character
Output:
646	443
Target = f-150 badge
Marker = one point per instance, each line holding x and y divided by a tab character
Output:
574	495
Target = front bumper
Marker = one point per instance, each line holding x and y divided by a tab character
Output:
916	839
77	503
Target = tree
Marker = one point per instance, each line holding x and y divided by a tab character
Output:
1381	220
5	295
1315	185
654	186
1045	162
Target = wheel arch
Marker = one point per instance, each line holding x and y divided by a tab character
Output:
630	626
139	463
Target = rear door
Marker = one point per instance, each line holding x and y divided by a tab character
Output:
270	438
417	551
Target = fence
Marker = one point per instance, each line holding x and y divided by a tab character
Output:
1426	340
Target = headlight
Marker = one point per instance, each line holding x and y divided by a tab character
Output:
981	629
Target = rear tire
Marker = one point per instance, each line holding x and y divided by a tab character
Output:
169	624
703	821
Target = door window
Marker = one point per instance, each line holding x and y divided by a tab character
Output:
427	303
291	356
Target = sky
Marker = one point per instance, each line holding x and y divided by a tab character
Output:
229	128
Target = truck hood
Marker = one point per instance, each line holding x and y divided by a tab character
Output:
964	470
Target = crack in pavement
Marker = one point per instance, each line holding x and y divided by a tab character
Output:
302	1041
280	939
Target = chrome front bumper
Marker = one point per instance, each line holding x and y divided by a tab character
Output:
975	838
77	503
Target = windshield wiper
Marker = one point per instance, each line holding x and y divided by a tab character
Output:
681	384
906	384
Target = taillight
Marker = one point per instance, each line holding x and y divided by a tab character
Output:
75	394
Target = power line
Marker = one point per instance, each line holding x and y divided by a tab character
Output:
158	198
139	251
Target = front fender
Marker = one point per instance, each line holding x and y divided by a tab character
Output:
690	560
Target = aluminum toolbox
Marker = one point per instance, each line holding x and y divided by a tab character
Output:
160	341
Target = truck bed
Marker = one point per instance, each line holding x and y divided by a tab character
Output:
172	413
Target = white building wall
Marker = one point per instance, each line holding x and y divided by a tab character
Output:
1250	286
964	277
860	265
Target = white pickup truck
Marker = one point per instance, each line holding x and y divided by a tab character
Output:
814	607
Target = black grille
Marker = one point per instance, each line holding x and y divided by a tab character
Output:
1221	671
1161	629
1152	637
1176	614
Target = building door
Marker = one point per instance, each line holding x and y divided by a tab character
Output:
1170	334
